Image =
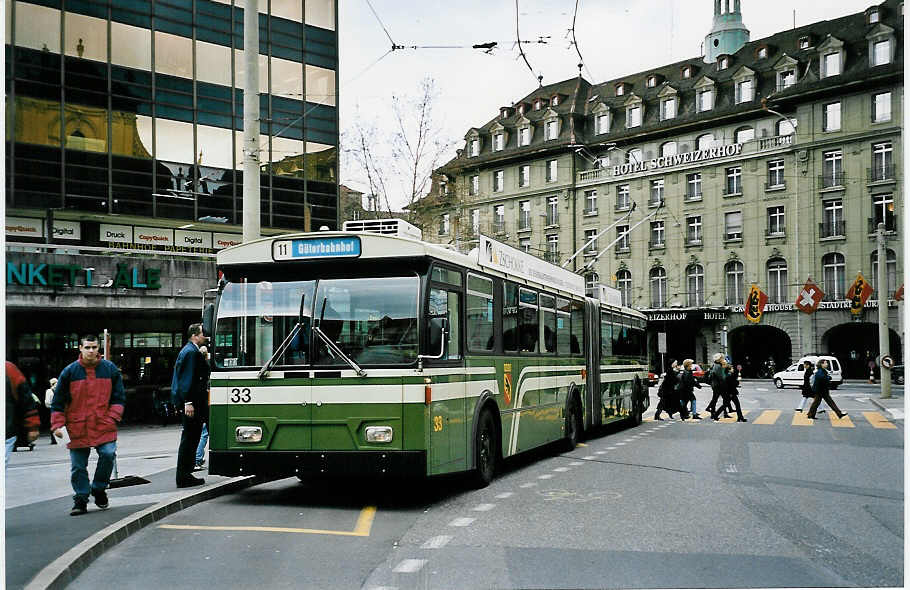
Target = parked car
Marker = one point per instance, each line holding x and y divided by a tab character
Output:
897	374
792	376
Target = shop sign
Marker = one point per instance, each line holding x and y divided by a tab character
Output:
24	227
498	256
192	239
32	274
153	235
685	158
221	241
67	230
108	232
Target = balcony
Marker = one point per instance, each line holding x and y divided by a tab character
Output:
770	143
693	242
831	230
775	232
499	227
592	175
831	180
692	197
890	223
776	186
656	244
880	173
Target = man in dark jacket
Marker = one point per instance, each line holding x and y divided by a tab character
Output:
807	385
189	388
89	401
717	377
821	387
21	409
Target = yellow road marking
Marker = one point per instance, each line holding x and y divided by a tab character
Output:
581	445
844	422
361	529
733	417
800	419
767	417
877	420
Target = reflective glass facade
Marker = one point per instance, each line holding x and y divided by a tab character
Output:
135	107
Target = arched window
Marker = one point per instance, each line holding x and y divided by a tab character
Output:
744	134
734	272
777	280
624	284
890	271
833	269
784	127
591	282
704	142
668	148
658	280
695	285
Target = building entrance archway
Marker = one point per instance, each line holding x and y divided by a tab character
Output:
854	344
753	346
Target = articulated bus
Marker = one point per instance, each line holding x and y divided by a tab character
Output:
369	353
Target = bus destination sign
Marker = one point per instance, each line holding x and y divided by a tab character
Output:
328	247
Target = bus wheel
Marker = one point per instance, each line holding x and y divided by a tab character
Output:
486	450
573	425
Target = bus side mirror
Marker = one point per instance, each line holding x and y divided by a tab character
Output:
208	320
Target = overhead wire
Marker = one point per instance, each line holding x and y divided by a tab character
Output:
575	43
521	50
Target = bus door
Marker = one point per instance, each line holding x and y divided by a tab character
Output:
593	417
446	420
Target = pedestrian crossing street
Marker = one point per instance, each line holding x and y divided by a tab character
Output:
781	418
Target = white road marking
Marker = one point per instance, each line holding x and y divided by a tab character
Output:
600	452
463	521
576	463
505	495
484	507
897	414
761	389
527	485
409	566
862	399
628	440
589	457
545	476
611	448
437	542
561	469
622	444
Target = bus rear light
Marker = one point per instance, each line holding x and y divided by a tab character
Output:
427	394
379	434
248	434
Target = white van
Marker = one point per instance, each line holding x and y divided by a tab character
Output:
793	375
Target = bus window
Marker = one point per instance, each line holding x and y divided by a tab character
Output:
444	304
548	323
527	309
619	336
446	275
606	338
480	313
563	334
509	317
578	326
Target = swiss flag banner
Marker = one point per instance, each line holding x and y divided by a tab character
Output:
858	293
899	294
809	297
755	304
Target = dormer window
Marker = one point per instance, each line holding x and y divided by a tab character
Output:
474	148
652	81
498	141
686	71
744	91
872	15
803	43
831	57
524	136
621	89
881	52
704	95
831	64
668	102
602	123
786	79
505	112
555	101
723	63
521	109
762	52
881	45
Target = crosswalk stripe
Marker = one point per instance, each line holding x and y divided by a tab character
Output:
733	417
800	419
877	420
767	417
844	422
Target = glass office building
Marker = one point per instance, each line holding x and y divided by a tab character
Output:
135	108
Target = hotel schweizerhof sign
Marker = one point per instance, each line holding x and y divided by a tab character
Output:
678	159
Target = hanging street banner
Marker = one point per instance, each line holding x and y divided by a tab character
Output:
858	293
755	304
899	294
809	297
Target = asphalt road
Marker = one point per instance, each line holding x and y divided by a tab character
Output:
769	503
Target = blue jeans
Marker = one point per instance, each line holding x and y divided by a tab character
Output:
692	407
203	440
107	452
10	443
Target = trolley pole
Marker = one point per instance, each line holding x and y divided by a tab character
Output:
884	340
251	220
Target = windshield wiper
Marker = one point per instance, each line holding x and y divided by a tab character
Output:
333	347
285	343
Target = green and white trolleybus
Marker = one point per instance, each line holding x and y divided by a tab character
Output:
371	352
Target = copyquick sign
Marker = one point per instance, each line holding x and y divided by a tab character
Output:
153	235
498	256
25	227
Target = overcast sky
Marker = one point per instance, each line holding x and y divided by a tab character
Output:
615	38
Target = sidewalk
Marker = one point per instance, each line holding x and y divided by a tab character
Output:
39	529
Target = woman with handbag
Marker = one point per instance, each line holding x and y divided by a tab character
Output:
669	397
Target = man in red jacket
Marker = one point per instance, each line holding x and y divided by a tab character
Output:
89	401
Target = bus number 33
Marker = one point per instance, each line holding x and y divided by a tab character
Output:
241	395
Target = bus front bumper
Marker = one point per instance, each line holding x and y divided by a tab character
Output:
318	463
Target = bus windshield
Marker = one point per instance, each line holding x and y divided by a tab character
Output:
373	320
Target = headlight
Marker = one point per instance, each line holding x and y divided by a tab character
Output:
379	434
248	434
